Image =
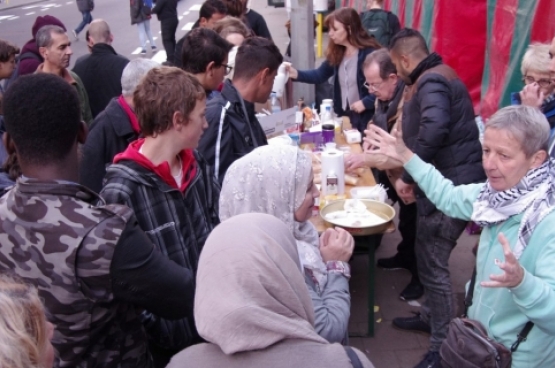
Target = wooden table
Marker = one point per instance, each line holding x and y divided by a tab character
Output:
369	241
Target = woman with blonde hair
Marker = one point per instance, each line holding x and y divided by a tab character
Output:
348	46
234	31
25	333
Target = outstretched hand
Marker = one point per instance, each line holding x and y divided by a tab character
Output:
512	270
391	145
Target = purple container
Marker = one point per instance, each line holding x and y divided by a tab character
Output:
328	133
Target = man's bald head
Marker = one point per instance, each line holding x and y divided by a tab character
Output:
99	32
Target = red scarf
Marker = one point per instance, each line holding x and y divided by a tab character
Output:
163	170
130	114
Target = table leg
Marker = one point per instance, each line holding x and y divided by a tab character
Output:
369	242
371	282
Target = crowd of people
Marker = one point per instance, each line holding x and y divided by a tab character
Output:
146	222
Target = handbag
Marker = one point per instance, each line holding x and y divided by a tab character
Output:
468	345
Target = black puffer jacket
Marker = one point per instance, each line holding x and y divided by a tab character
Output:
231	134
439	126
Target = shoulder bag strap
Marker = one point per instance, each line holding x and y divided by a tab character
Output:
469	293
353	357
522	335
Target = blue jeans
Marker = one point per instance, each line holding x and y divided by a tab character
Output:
87	19
144	32
436	236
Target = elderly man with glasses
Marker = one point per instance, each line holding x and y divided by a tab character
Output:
383	82
539	89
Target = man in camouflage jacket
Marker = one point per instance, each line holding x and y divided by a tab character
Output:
94	268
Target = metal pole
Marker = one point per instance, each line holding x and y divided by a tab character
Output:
302	45
320	19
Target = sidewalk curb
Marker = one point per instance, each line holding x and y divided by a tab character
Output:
22	5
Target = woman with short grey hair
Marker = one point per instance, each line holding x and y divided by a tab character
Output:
515	277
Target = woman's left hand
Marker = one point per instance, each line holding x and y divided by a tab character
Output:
358	107
512	270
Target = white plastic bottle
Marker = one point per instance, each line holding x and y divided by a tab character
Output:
326	116
281	78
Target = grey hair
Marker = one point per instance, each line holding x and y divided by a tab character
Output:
44	35
382	58
133	73
536	59
526	124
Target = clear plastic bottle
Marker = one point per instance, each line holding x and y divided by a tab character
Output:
326	116
274	103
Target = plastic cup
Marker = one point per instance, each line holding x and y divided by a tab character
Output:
328	133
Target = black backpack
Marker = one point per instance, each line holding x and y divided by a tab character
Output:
15	74
376	23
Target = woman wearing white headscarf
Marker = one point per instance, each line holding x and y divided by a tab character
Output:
515	273
278	180
252	306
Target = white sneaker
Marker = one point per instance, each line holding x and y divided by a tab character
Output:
75	35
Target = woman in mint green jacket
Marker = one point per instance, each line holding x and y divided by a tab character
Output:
515	264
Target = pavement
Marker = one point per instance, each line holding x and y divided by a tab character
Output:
12	4
389	348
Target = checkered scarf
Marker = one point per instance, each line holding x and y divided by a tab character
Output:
534	196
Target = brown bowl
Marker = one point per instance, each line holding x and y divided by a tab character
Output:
385	211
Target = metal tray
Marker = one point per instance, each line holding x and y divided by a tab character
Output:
383	210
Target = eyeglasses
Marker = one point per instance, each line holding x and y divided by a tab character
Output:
373	86
541	82
228	68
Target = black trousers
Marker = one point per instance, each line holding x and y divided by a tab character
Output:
168	27
408	218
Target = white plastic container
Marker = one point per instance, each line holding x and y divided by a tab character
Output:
352	136
376	193
320	5
333	172
281	78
